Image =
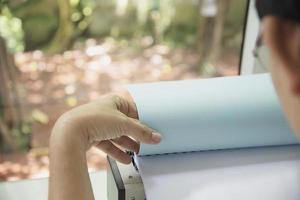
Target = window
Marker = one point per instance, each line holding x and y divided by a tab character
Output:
65	53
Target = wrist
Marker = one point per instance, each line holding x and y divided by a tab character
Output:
68	166
66	136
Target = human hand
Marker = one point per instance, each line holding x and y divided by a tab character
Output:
110	123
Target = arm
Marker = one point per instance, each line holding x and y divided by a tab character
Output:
107	123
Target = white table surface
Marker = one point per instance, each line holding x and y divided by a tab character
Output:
37	189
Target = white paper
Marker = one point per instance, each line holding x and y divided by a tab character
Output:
209	114
218	113
269	173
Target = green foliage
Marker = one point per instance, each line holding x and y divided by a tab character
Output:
44	28
174	22
39	20
183	28
234	23
11	31
81	13
21	138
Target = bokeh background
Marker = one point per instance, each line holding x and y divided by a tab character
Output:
57	54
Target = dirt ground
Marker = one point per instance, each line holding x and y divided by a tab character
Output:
54	84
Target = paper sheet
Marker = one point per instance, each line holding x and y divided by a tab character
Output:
269	173
216	113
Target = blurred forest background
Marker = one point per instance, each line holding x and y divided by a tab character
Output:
56	54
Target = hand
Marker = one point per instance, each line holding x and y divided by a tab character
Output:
110	123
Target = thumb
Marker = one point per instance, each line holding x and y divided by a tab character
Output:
141	132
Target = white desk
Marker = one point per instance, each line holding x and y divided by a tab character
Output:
37	189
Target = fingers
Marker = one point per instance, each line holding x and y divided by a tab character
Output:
141	132
123	122
126	107
109	148
132	126
127	143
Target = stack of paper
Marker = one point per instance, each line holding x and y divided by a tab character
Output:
200	120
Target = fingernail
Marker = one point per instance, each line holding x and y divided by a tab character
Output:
156	137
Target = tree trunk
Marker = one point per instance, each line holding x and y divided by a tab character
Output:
11	107
210	30
64	33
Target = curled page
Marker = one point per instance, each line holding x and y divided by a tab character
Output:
209	114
